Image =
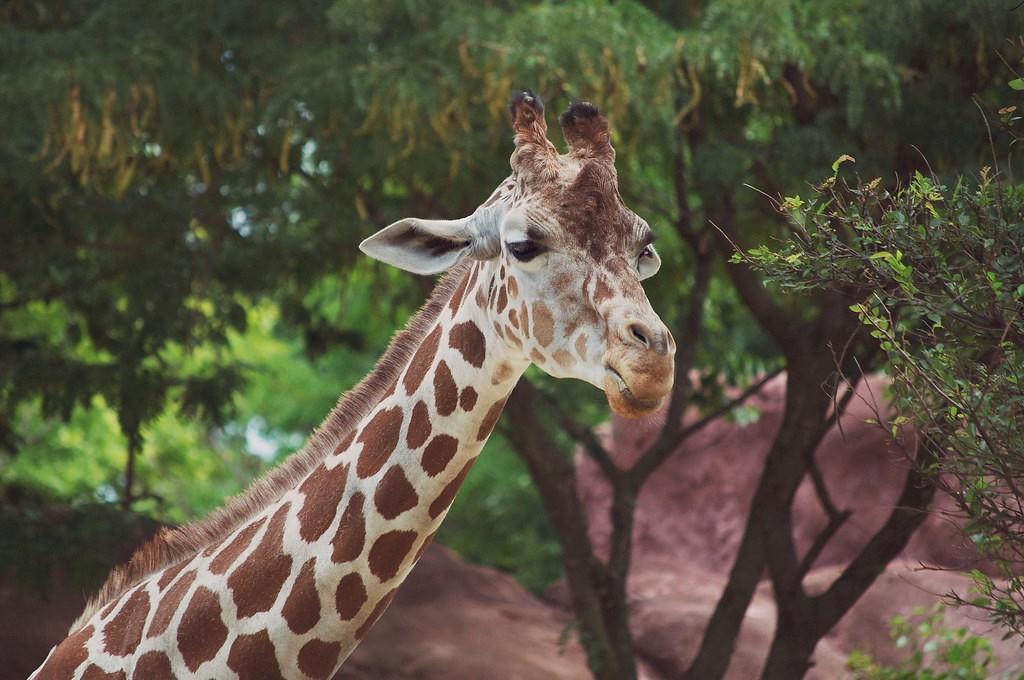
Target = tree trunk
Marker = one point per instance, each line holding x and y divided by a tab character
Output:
805	620
786	464
127	493
599	604
719	641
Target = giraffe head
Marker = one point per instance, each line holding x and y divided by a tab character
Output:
564	258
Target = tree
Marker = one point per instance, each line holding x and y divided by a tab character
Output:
939	280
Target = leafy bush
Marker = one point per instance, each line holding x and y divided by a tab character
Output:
939	273
934	651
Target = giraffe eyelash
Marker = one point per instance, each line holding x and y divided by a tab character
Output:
524	251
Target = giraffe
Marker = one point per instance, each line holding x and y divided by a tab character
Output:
287	578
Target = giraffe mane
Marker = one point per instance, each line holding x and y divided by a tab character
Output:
172	545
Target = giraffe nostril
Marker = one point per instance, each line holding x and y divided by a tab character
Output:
655	339
640	333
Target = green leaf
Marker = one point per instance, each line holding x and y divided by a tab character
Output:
845	158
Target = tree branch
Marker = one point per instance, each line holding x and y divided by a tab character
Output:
910	511
656	454
835	523
782	327
582	434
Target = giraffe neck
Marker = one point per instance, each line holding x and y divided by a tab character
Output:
403	465
296	586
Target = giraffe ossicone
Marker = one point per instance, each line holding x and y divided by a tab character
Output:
288	577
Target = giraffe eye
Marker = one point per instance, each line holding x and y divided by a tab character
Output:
648	251
524	251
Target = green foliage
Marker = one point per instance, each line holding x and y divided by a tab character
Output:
934	651
940	274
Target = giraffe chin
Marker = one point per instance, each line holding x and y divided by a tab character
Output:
623	402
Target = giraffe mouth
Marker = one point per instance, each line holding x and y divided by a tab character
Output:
635	404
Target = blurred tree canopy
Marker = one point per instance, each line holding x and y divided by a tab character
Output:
165	165
184	184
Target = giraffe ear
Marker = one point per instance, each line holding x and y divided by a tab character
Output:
421	246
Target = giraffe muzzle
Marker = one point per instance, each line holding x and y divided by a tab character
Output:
636	396
639	366
639	406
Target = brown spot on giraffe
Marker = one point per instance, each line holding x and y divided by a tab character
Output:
581	346
481	298
301	610
379	439
537	357
602	291
351	535
350	596
395	494
513	318
169	603
318	658
94	672
446	392
490	419
467	338
456	300
467	399
109	609
388	553
253	657
236	547
123	633
67	656
543	324
438	453
499	331
502	300
323	489
419	426
513	288
563	358
257	581
524	320
201	632
166	577
421	361
473	271
346	441
375	614
504	372
447	495
153	666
